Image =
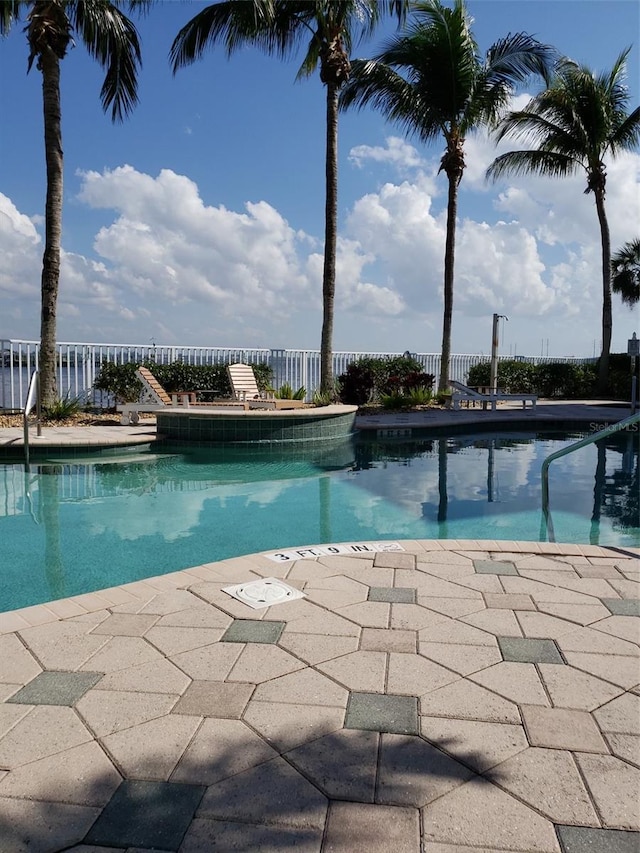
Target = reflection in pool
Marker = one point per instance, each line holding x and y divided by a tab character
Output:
67	528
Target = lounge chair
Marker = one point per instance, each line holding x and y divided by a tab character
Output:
153	397
245	389
464	394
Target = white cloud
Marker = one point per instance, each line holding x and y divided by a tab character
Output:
167	265
397	153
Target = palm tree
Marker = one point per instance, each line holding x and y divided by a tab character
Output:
433	82
625	273
112	39
328	29
581	118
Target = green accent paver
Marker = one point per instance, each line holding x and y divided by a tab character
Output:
494	567
583	839
146	814
526	650
622	606
394	595
376	712
252	631
56	688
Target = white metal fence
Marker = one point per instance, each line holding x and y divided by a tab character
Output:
80	363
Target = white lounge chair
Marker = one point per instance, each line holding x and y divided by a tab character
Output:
464	394
245	389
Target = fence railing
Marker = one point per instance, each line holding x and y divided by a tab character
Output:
78	365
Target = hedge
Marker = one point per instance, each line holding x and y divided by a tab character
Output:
121	381
562	380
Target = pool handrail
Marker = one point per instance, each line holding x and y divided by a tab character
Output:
32	402
583	442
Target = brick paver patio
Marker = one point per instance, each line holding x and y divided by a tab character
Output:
452	697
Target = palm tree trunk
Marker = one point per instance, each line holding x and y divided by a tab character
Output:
607	321
449	257
330	240
50	66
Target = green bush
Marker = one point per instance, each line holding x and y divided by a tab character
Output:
514	377
394	400
567	380
369	378
419	396
119	380
619	386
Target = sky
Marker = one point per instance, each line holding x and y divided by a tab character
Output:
199	220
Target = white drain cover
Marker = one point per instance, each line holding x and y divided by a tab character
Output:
264	593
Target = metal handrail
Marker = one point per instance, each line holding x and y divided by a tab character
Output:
33	402
583	442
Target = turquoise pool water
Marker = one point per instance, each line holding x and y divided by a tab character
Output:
67	528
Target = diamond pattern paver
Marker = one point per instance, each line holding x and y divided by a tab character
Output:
214	699
342	764
173	707
577	839
378	829
146	814
252	631
494	567
273	792
405	595
414	773
525	650
220	749
477	744
374	712
56	688
560	728
622	606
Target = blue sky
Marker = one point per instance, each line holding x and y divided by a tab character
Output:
199	220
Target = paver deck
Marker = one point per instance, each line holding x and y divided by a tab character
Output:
449	697
164	715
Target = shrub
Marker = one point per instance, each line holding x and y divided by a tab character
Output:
357	383
120	379
566	380
62	408
368	378
419	396
286	392
619	384
394	400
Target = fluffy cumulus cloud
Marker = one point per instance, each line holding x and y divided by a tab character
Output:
397	153
167	265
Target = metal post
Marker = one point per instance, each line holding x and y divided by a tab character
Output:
495	342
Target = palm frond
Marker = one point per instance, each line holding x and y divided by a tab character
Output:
376	84
625	273
10	11
532	128
232	23
111	38
542	163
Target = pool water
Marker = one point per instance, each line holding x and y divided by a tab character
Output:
68	528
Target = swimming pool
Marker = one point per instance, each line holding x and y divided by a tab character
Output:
69	527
